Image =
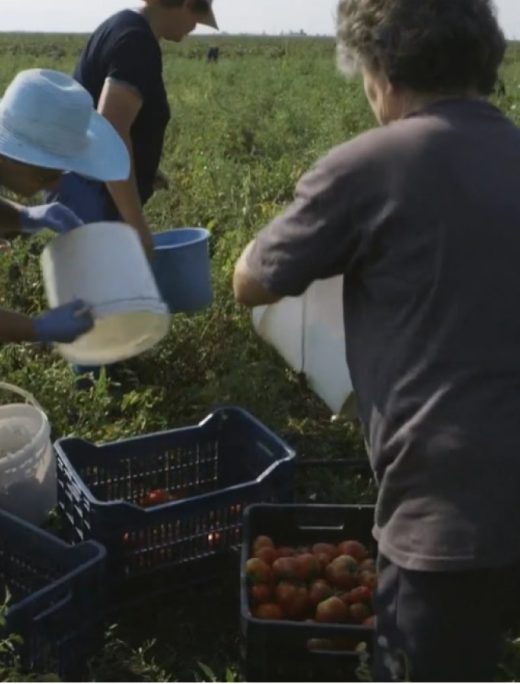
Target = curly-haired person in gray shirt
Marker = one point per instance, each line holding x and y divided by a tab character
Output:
422	218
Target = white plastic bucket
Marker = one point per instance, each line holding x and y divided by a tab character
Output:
105	265
27	461
308	332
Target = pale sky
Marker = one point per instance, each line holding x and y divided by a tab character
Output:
234	16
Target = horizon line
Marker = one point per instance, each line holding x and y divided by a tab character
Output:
288	34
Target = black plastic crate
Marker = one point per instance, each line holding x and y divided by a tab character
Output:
215	468
278	650
56	596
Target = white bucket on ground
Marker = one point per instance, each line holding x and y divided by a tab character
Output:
27	461
308	332
105	265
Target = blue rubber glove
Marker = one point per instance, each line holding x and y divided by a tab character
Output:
64	323
55	216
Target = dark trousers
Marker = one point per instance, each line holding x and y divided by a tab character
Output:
443	626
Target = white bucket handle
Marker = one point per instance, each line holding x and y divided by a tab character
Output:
23	393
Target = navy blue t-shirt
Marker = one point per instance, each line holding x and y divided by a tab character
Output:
125	49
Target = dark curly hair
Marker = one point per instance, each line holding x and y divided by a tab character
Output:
429	46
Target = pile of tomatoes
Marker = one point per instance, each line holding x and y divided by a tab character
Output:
326	583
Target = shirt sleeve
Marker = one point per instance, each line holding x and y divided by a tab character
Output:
135	60
317	236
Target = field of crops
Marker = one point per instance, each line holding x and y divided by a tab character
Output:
242	132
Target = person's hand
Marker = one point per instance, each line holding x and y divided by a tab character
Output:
55	216
64	323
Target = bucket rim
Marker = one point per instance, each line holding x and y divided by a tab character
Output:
84	357
87	228
203	235
155	306
41	435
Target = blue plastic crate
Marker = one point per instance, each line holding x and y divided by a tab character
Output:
216	468
280	650
57	596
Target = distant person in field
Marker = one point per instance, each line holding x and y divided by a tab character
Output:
48	124
213	55
421	216
121	67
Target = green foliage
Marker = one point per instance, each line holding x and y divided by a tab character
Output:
11	669
243	131
118	662
210	676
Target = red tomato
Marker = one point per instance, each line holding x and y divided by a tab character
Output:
266	553
319	591
323	560
262	540
330	549
300	550
155	497
361	594
306	567
342	572
268	611
331	610
368	564
284	568
293	600
261	593
353	548
358	612
368	579
129	540
285	551
258	572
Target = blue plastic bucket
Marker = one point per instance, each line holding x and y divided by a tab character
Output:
182	270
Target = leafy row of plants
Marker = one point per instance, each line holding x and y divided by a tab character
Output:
242	132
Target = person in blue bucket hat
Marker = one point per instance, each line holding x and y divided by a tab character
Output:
48	124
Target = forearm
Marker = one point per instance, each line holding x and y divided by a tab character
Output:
120	104
9	217
125	195
247	289
16	327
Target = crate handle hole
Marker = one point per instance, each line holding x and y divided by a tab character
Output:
317	528
342	647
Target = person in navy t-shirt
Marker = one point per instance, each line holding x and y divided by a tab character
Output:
121	67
